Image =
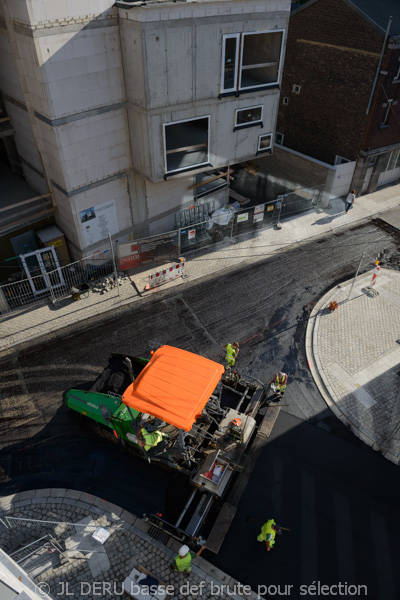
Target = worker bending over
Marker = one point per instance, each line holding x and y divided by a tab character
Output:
232	350
149	441
268	533
280	381
183	562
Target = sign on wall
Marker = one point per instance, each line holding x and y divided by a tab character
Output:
99	221
138	252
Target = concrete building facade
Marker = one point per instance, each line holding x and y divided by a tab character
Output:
123	110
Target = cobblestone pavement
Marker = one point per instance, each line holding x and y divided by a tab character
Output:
30	515
354	353
46	320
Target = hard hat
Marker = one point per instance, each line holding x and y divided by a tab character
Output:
183	550
236	422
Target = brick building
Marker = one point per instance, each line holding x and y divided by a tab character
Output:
339	103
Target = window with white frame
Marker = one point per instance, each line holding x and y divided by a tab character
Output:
246	117
279	138
285	100
393	160
296	89
264	142
251	60
387	108
186	144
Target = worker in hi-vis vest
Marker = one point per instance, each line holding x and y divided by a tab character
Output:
280	381
183	562
232	350
268	532
148	441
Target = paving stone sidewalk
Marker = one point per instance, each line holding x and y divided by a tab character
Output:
47	320
55	511
354	354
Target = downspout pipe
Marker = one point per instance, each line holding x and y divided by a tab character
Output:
379	65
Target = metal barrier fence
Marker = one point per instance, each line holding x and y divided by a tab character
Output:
59	283
70	539
248	220
84	274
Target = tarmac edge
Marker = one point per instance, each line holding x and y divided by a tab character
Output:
316	368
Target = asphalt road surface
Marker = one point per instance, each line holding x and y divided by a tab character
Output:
339	498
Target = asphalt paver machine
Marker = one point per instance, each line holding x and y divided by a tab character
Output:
209	416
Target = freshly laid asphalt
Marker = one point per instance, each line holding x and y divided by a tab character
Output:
353	353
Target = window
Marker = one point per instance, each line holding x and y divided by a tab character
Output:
246	117
387	108
250	60
296	89
394	160
230	56
279	138
285	100
397	76
209	181
186	144
372	160
339	160
265	142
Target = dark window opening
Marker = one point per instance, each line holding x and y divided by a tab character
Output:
248	116
186	144
264	142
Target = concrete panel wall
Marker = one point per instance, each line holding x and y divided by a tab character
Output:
69	210
226	145
51	156
180	60
141	140
174	196
34	85
207	62
24	138
133	61
173	54
10	81
81	71
94	148
43	11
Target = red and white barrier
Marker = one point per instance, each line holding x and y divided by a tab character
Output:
166	275
375	273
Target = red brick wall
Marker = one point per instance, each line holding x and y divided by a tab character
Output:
336	74
378	137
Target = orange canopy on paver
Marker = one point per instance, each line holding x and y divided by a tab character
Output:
174	386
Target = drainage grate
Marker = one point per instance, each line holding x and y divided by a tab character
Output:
158	535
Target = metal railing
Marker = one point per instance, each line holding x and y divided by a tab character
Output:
248	220
69	539
32	210
57	284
